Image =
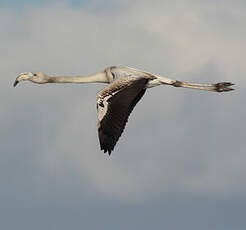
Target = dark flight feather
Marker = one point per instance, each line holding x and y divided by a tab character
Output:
119	107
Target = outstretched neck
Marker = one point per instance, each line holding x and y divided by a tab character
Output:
98	77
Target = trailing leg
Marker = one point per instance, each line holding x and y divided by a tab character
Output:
218	87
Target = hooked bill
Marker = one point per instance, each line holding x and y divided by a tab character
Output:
15	83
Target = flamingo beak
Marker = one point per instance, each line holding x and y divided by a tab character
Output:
15	83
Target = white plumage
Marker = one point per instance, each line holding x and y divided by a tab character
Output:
115	102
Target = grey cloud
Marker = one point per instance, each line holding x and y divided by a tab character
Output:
67	41
177	143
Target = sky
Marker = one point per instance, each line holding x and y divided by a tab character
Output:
180	162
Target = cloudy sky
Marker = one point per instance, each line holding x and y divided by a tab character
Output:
181	162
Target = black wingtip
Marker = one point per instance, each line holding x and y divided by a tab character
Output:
106	142
106	150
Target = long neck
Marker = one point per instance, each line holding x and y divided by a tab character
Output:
98	77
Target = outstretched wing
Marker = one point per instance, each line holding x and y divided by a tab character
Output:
114	105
